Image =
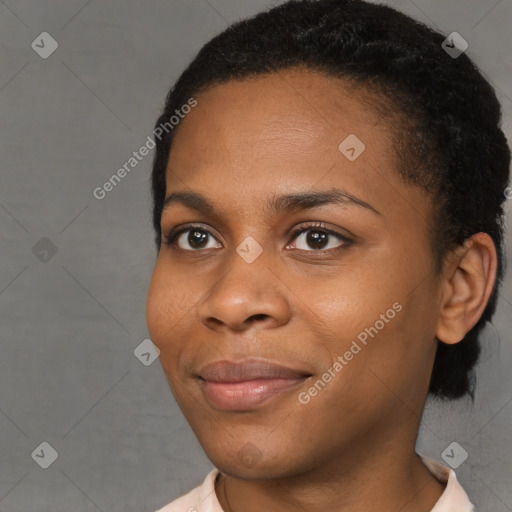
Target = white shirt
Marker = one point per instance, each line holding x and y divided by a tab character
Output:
204	499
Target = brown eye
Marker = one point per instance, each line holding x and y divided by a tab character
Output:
191	238
318	238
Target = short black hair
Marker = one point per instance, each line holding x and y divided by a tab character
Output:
450	141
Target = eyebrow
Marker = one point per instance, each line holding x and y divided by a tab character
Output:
287	203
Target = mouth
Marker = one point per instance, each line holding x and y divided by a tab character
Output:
246	385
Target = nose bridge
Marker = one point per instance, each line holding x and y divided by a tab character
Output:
247	289
247	271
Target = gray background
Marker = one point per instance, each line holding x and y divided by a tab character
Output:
70	325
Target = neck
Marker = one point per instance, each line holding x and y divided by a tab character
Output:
386	478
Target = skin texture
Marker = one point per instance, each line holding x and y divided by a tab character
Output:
351	447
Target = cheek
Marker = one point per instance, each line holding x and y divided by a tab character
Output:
167	306
372	306
351	299
168	303
385	343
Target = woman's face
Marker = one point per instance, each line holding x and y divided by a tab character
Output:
350	305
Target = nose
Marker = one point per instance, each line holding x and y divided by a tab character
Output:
248	295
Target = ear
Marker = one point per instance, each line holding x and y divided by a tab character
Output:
469	277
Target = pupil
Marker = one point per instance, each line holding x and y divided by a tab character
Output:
196	237
317	239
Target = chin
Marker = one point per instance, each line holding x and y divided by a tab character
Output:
248	462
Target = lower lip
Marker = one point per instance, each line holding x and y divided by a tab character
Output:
244	396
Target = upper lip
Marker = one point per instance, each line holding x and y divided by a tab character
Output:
239	371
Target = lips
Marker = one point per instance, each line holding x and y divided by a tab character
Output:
245	385
227	371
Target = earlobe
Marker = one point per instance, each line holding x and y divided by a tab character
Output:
467	285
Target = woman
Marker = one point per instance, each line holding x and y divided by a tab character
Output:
328	218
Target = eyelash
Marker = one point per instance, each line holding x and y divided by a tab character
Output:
170	239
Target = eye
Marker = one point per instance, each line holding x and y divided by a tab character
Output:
194	236
316	236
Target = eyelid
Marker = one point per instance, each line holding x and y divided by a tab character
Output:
321	226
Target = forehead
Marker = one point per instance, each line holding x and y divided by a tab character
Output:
298	106
282	132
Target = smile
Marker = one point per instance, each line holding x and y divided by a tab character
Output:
243	386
